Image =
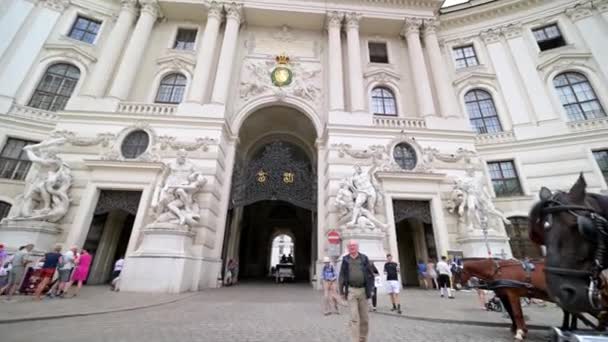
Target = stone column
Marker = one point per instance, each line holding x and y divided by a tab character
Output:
135	50
336	73
591	30
355	71
110	51
205	54
448	106
411	31
234	15
11	22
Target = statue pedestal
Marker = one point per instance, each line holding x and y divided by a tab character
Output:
371	242
474	246
42	234
163	263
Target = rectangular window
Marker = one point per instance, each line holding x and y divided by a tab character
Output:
185	39
85	29
14	163
504	178
548	37
378	52
601	157
465	56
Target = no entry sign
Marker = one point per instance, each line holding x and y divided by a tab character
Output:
333	237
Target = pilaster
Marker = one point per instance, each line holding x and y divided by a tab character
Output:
424	95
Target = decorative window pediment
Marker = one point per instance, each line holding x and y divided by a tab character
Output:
564	60
382	75
178	60
70	52
474	78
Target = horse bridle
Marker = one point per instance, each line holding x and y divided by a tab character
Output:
591	222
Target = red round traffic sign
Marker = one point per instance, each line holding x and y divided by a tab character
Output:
333	237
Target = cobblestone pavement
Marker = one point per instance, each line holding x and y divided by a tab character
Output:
244	313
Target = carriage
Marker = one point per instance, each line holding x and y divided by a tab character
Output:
284	271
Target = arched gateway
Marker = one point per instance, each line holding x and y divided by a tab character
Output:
274	192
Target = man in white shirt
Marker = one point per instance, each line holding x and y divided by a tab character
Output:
66	268
118	265
443	269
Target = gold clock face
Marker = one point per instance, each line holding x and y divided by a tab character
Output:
281	76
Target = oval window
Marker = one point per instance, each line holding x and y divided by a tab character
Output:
134	144
405	156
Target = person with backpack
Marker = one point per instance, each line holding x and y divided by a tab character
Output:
330	296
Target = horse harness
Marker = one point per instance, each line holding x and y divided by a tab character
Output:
594	228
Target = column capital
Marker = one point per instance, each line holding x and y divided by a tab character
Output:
580	11
150	6
334	19
352	20
490	36
129	5
512	30
234	11
600	5
214	10
411	26
430	26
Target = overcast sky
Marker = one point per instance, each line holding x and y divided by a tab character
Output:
453	2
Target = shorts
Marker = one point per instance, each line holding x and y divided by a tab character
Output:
115	274
443	280
64	275
47	273
15	275
393	286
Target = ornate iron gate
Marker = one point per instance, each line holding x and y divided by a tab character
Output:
280	171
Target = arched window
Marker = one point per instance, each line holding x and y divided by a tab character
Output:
482	112
4	209
405	156
383	101
577	96
134	144
55	87
521	245
171	89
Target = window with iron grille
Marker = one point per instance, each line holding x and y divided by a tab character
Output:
185	38
55	87
171	89
134	144
383	101
482	112
4	209
14	163
577	96
85	29
521	245
378	52
405	156
504	178
548	37
465	56
601	157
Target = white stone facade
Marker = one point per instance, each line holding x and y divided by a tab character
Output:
230	108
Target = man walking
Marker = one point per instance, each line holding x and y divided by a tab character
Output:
444	277
356	284
65	269
391	269
19	264
330	297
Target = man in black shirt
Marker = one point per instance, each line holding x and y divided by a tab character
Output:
391	269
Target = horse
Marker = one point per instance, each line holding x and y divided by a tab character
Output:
510	281
573	227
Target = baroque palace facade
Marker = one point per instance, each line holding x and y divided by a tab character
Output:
185	133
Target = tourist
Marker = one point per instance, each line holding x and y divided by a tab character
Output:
229	270
65	269
330	296
456	269
423	274
444	277
118	265
430	268
51	261
18	265
4	268
376	274
391	270
290	259
355	286
83	262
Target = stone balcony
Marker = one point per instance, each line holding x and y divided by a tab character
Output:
395	122
588	125
147	108
32	113
494	138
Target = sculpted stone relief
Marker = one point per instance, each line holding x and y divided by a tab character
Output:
46	197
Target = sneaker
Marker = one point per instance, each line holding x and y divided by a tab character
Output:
393	309
451	297
399	311
374	309
441	296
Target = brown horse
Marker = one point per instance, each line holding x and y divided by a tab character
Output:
511	282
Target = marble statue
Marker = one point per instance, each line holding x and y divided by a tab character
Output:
472	201
176	198
46	197
356	199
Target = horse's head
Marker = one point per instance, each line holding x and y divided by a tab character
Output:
482	268
560	221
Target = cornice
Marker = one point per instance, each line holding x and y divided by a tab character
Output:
580	11
490	11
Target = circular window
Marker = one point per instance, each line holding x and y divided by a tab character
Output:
405	156
134	144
